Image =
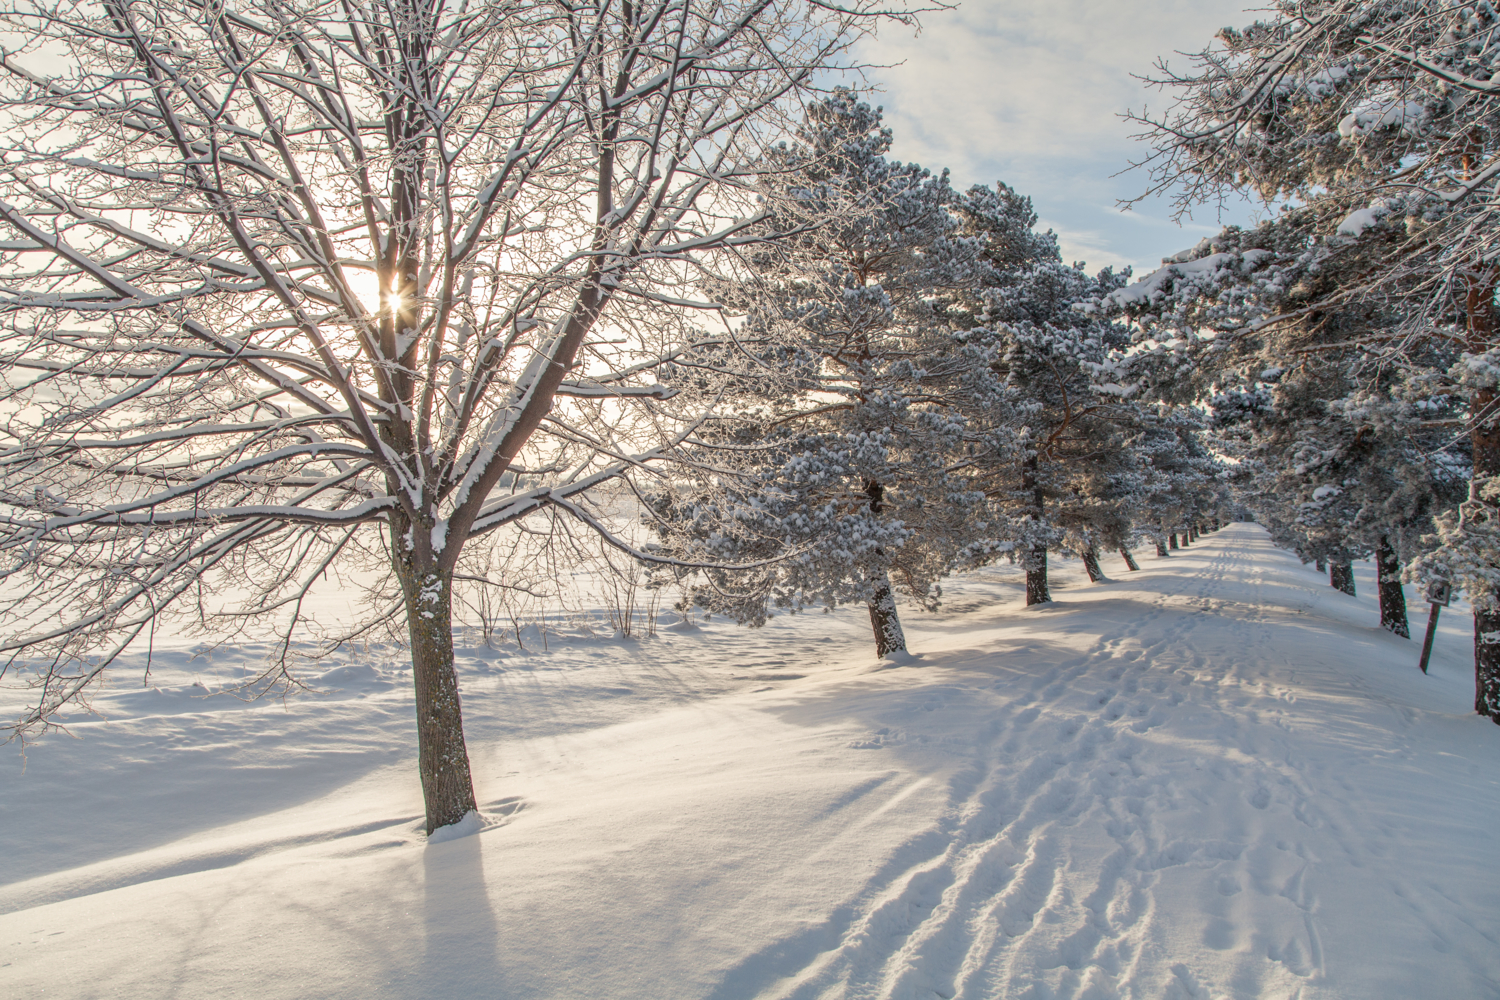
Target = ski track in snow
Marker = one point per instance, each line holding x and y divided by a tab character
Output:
998	899
1214	778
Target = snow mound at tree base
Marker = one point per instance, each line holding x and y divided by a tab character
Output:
1216	778
466	827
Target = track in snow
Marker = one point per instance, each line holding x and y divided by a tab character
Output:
1153	789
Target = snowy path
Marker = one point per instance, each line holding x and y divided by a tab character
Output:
1212	778
1153	800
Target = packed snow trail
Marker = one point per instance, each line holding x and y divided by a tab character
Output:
1212	778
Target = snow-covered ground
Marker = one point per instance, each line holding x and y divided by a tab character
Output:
1212	778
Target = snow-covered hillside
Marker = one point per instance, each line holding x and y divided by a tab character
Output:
1212	778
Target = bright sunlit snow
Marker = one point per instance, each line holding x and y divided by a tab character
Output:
1216	777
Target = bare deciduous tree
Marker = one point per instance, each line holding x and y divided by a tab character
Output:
289	279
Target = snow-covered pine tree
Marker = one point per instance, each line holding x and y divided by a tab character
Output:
1072	388
1352	460
1342	428
841	468
1183	479
1376	113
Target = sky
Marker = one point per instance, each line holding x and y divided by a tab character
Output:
1029	92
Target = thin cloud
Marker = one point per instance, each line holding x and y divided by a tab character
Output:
1031	94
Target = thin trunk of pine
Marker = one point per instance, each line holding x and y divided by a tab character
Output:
442	756
1486	441
1161	549
1129	559
1091	564
1172	540
884	621
1484	435
1341	575
1037	589
889	636
1392	597
1185	541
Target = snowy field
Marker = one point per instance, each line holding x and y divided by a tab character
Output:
1212	778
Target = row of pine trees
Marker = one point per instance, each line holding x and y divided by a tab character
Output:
918	385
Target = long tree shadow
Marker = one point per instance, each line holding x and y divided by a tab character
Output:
460	936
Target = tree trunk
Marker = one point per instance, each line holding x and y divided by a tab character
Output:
1487	665
442	756
889	638
1392	597
1486	441
1161	549
1341	575
886	623
1172	540
1185	541
1130	559
1091	564
1484	435
1037	591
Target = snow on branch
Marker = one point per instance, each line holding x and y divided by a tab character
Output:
293	284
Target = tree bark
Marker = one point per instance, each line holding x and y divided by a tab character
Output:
1486	441
1091	564
1185	541
1130	563
1484	435
1341	576
886	623
442	756
1172	540
1037	591
889	637
1392	597
1161	549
